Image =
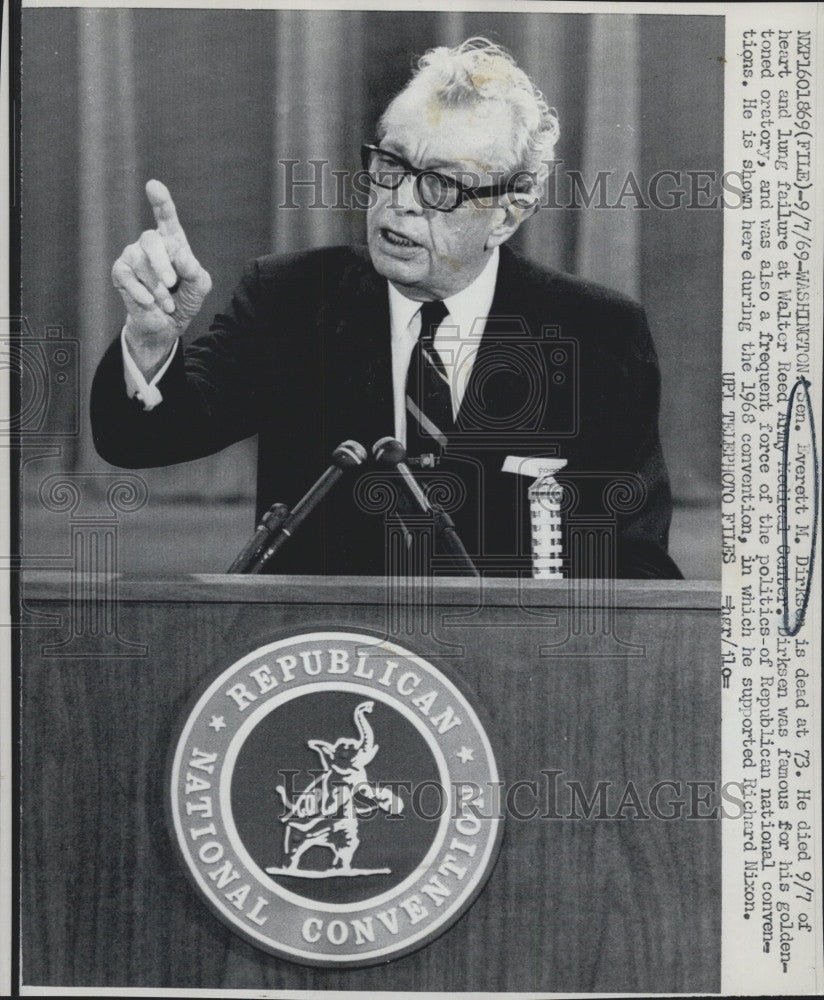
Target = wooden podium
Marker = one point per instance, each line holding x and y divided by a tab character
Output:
590	681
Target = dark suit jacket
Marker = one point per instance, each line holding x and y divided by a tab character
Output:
302	358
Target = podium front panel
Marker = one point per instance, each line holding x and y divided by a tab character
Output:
581	685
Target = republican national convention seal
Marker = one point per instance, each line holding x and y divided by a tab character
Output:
330	797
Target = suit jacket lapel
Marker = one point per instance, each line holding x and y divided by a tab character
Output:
497	377
358	355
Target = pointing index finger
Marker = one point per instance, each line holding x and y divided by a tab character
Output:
164	209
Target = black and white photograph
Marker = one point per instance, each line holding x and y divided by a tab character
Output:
414	494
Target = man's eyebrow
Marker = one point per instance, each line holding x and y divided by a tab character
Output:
399	150
447	165
393	147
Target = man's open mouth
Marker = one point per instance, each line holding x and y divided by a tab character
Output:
396	239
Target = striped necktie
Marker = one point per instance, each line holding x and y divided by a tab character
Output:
428	394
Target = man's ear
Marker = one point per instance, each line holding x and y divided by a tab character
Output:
512	212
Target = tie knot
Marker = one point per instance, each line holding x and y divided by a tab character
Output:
432	315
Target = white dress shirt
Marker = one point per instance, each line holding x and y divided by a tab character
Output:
136	384
457	340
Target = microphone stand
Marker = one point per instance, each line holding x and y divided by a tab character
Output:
451	542
389	451
346	456
265	531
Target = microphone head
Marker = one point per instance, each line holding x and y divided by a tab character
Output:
389	451
348	455
275	516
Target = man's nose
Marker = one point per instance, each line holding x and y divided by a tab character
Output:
405	197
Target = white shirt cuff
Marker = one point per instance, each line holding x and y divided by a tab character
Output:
136	385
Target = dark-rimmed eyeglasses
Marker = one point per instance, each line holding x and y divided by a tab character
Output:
432	189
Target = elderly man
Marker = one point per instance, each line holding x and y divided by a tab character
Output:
439	335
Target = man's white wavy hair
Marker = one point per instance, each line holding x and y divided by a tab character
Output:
480	70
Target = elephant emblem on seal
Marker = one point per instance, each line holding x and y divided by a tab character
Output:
328	812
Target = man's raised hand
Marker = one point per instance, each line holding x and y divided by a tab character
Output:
161	283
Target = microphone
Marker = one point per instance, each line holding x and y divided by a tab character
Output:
345	456
389	451
269	524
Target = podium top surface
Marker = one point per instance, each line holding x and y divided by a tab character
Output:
352	590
